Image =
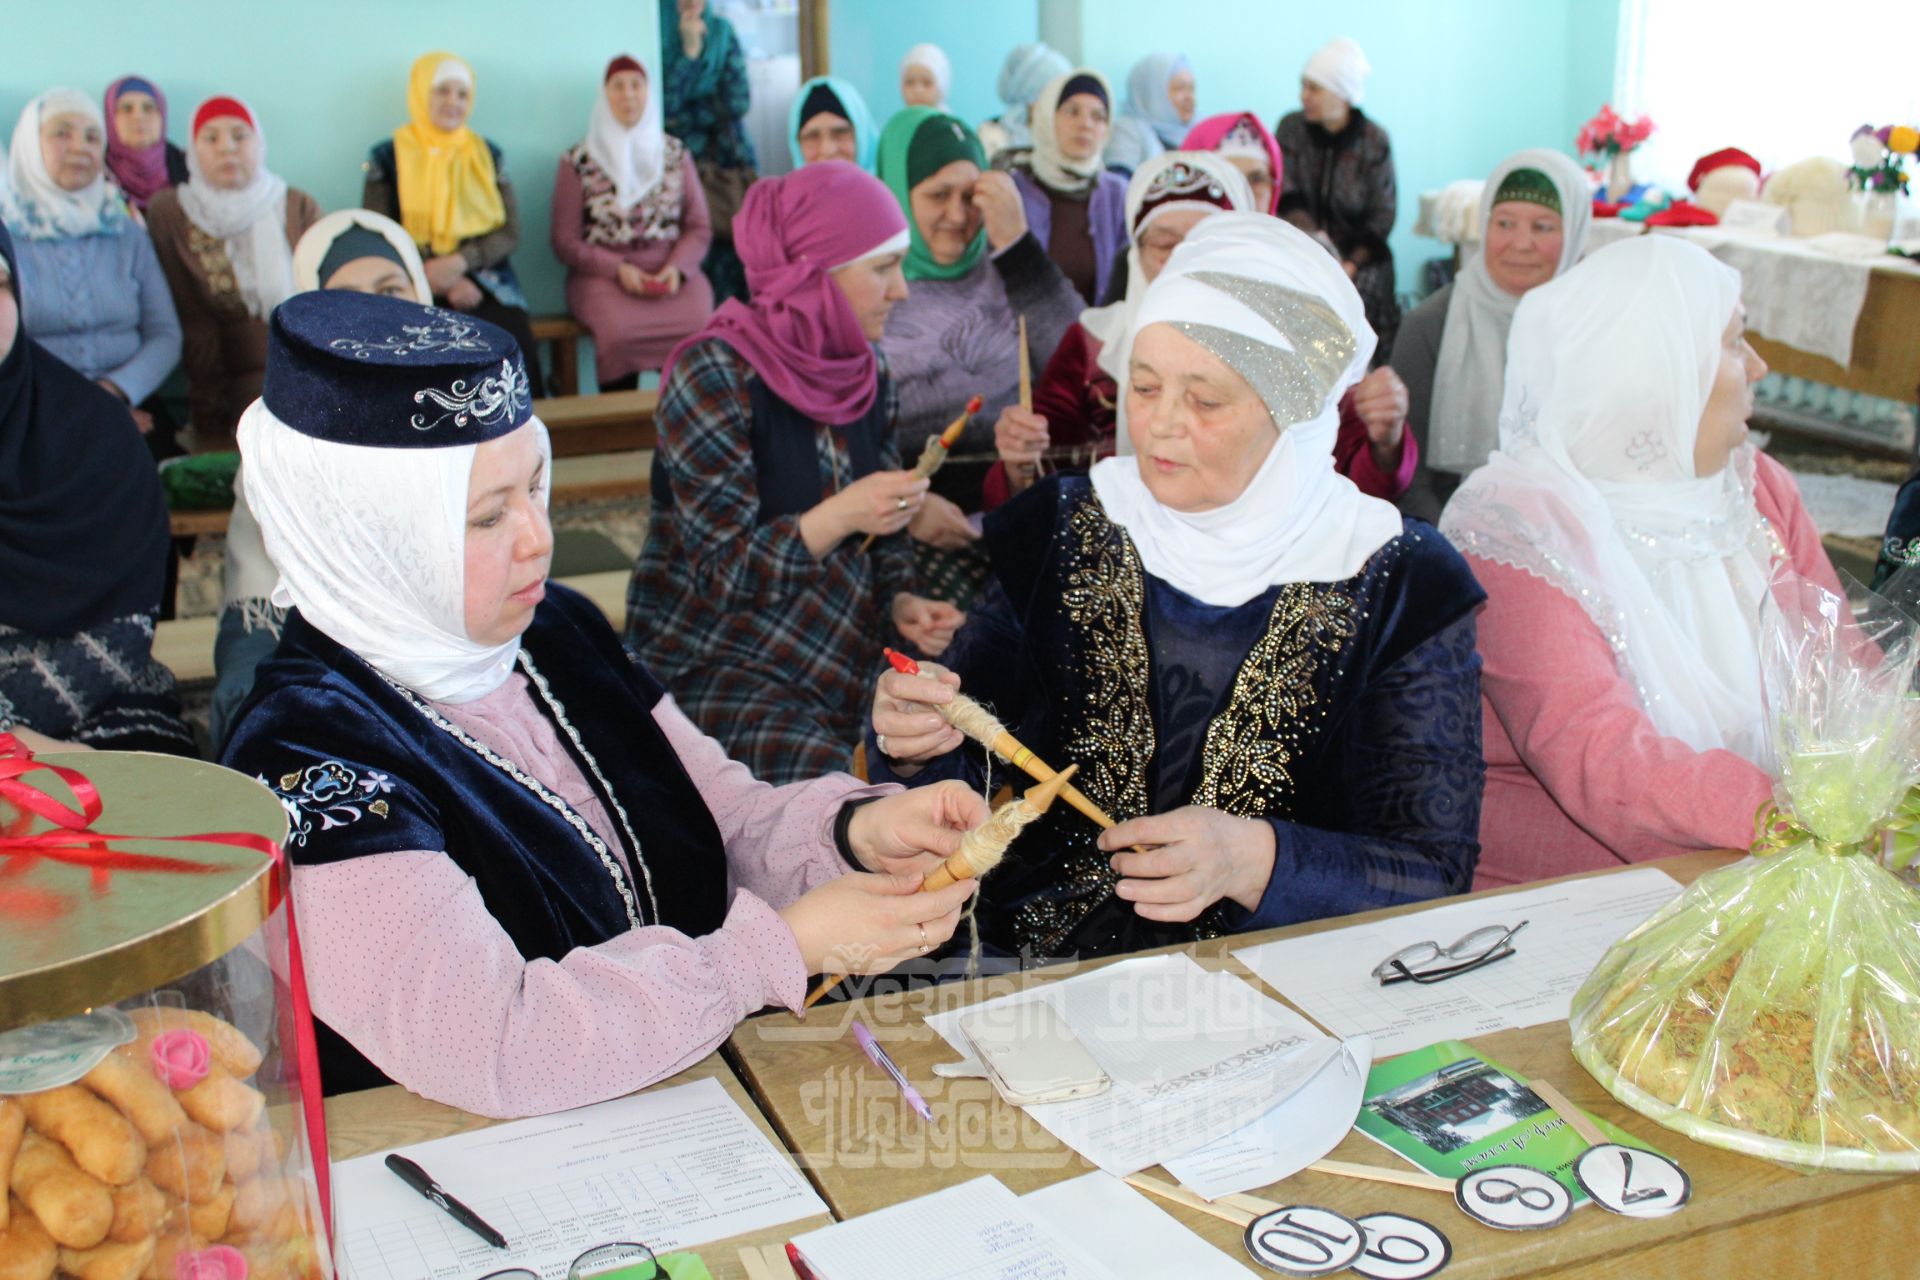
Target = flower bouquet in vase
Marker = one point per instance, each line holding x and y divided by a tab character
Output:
1610	137
1773	1008
1879	174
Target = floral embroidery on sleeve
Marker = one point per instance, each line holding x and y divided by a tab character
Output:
332	793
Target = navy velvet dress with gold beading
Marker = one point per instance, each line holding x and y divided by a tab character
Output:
1346	715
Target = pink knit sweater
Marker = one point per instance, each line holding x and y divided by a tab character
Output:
1577	776
405	961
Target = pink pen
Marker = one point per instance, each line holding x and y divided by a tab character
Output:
886	1064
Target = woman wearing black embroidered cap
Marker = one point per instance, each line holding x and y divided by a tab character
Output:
467	756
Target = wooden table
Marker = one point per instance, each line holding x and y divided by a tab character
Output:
377	1119
864	1150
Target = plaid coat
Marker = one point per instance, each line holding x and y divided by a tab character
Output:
766	648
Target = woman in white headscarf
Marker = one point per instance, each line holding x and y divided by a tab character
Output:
926	77
1263	673
1026	71
630	224
1076	399
225	238
1157	113
485	792
1452	349
1076	206
1625	531
94	292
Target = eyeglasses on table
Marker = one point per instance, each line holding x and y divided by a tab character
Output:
1429	962
618	1260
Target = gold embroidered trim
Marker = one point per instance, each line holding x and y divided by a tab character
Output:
1113	739
1274	708
1273	711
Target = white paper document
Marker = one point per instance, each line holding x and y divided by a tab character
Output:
977	1230
1193	1056
1302	1129
1569	928
1126	1232
672	1169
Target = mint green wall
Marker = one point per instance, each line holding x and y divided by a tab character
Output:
871	36
329	80
1458	84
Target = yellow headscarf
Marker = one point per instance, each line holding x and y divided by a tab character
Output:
448	190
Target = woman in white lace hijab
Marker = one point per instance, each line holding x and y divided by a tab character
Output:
1625	531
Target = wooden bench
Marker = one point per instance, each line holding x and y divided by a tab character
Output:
562	333
611	422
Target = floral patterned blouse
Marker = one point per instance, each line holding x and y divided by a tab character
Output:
656	217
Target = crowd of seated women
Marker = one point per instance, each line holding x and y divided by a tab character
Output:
1334	610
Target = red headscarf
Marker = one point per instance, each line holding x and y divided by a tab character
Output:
1211	132
800	333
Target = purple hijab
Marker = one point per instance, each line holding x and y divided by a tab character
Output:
140	171
800	333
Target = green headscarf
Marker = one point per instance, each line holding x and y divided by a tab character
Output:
1530	186
917	143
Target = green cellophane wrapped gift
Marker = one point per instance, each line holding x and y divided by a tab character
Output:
1773	1008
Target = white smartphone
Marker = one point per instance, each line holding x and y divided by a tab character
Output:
1032	1055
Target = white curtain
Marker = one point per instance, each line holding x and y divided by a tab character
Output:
1780	80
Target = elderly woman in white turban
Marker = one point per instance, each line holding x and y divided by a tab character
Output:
1266	675
1625	531
1452	349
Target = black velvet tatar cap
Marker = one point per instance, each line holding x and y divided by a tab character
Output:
356	368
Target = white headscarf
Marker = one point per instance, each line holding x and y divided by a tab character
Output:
1111	323
317	242
1267	299
1463	424
39	208
1593	487
1050	164
1340	67
371	548
634	158
251	220
934	59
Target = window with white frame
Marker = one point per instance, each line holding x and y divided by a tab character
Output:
1782	81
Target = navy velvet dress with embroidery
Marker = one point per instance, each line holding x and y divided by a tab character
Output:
1346	715
364	767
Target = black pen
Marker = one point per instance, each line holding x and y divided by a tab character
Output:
416	1177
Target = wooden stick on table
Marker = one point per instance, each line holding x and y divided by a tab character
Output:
1376	1173
1239	1217
1573	1115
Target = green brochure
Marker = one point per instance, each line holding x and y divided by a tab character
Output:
1451	1110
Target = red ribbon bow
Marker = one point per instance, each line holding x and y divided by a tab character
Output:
74	841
